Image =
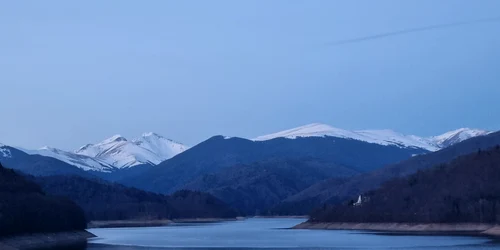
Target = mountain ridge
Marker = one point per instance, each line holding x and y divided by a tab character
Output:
117	152
381	136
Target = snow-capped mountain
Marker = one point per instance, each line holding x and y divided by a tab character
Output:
381	137
81	161
119	152
113	153
452	137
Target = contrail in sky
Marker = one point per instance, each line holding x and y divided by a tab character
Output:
411	30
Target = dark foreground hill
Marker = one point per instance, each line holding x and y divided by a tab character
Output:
255	188
103	200
465	190
219	152
24	208
334	191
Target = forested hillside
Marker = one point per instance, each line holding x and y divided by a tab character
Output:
465	190
103	200
24	208
256	188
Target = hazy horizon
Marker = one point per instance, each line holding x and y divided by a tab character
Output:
76	73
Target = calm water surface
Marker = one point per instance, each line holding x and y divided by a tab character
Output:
270	234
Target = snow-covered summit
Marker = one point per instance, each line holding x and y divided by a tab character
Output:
119	152
151	134
115	152
164	148
382	137
456	136
310	130
114	138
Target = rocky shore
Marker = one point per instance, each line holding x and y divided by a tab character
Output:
459	228
44	240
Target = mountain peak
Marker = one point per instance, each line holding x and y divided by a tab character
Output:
150	148
151	134
309	130
114	138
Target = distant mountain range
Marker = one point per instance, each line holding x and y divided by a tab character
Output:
117	152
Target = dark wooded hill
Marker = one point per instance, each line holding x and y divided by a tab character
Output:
24	208
465	190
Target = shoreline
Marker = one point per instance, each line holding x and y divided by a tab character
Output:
408	228
128	223
281	216
44	240
154	223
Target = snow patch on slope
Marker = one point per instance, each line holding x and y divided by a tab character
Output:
5	152
81	161
389	137
452	137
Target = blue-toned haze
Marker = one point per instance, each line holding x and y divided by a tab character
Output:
77	72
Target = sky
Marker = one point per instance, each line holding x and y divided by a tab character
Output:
77	72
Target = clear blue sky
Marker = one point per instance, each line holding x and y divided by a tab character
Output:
77	72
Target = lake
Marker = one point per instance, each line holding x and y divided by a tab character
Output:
270	234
